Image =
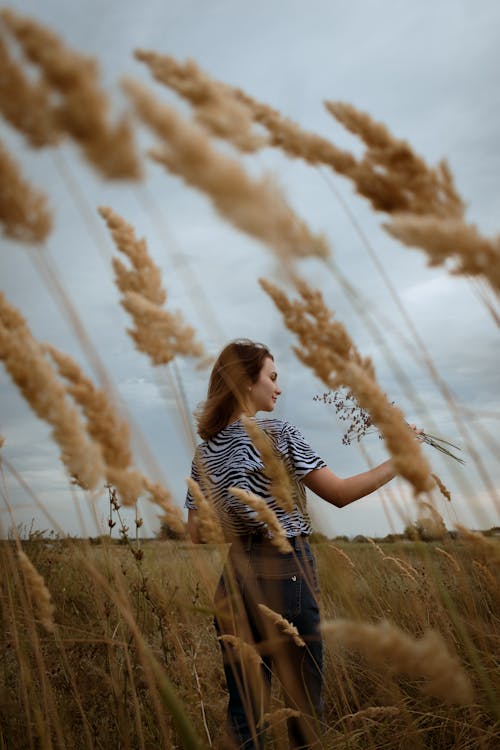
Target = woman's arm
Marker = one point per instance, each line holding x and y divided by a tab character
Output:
193	528
341	492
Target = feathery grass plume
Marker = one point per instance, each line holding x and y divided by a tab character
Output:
25	362
104	426
327	349
172	515
82	108
242	649
449	557
426	657
406	569
264	514
449	239
274	468
158	333
294	140
2	441
430	523
282	623
489	549
215	106
24	104
442	487
257	207
39	593
274	718
24	215
373	713
343	555
486	574
208	523
391	175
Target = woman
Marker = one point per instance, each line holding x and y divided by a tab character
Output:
243	382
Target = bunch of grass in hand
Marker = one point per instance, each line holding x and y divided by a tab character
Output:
359	423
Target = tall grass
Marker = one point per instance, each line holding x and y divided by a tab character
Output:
109	645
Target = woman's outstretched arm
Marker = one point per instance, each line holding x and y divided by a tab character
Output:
341	492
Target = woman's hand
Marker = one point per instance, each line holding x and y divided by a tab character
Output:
419	433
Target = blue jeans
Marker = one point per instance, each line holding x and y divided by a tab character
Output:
257	573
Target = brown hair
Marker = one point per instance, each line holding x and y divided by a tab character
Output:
237	366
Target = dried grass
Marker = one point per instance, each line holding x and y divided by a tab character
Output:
25	362
39	593
264	514
24	214
82	109
256	207
426	657
287	628
327	349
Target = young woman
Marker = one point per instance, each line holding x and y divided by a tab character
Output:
244	381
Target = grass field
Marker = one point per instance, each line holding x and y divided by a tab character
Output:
122	624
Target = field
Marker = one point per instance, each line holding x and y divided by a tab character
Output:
90	682
109	642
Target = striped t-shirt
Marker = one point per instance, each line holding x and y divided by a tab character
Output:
230	459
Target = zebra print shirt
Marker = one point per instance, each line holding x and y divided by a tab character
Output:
230	459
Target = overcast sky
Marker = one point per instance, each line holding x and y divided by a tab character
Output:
429	70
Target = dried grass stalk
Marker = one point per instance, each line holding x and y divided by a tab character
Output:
449	239
487	548
208	523
256	207
449	557
391	175
25	362
327	349
158	333
216	108
442	487
104	426
406	569
243	650
282	624
172	515
82	108
274	718
343	556
373	713
426	657
266	515
39	592
274	468
24	214
24	104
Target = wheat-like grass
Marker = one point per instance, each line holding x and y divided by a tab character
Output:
264	514
243	650
274	468
82	108
287	628
446	239
172	515
273	718
256	207
26	104
372	713
104	426
39	592
215	107
442	487
325	347
25	362
489	549
343	556
426	657
24	213
391	175
208	524
449	557
406	569
157	332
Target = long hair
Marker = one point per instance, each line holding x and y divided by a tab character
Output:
236	368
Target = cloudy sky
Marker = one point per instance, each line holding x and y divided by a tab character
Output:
429	70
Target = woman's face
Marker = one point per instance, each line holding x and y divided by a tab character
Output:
264	393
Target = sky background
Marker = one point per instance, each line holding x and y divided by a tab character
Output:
430	71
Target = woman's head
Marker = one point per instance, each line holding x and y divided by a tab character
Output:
242	379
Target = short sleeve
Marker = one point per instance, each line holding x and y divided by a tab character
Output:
302	457
195	474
